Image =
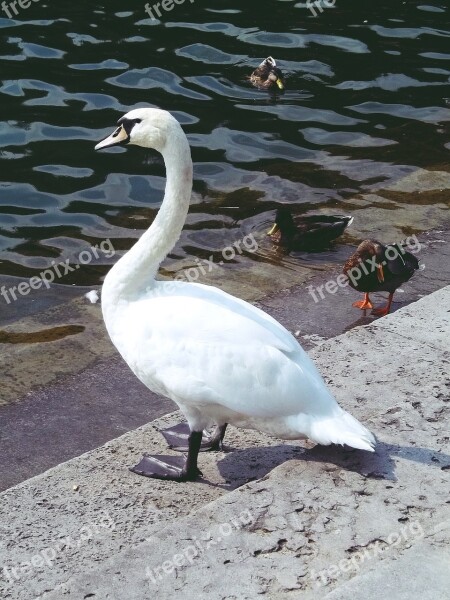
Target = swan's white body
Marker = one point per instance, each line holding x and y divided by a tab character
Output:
219	358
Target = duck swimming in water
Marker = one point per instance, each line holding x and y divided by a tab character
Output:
375	267
220	359
267	75
307	232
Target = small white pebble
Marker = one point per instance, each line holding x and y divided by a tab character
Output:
92	296
76	488
297	333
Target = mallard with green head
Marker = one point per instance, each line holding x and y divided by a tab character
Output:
267	75
375	267
307	232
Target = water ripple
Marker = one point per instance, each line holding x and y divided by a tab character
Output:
364	111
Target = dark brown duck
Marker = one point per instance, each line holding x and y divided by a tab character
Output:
307	232
267	75
375	267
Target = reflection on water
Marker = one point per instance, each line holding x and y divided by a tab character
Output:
366	106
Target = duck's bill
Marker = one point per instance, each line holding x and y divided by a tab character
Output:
380	273
119	137
273	230
280	84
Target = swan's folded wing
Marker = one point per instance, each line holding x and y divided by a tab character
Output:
207	313
206	352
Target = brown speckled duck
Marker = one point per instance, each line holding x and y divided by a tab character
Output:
267	75
375	267
307	232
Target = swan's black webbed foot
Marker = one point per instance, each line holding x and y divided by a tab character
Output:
173	468
178	435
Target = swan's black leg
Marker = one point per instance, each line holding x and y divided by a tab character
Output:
216	442
178	435
190	469
173	468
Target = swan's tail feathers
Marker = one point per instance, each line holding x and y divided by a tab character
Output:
342	429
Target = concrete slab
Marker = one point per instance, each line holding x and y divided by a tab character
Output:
41	349
76	413
315	519
422	572
54	512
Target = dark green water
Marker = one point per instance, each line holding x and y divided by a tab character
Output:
366	107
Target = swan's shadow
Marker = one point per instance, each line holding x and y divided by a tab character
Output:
240	466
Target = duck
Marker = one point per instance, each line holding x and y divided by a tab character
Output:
267	75
307	232
376	267
220	359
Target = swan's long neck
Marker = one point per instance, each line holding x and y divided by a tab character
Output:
136	270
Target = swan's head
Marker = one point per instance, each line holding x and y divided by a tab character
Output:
148	127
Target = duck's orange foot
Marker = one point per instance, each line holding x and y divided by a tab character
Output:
363	304
381	312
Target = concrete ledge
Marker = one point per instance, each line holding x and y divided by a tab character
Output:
422	572
317	521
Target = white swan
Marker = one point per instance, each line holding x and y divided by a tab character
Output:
220	359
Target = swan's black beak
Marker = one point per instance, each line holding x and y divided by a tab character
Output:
118	138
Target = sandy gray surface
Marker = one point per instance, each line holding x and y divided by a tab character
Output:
317	522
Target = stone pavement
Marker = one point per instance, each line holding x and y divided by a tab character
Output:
270	518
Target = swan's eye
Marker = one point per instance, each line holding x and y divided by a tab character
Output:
128	124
